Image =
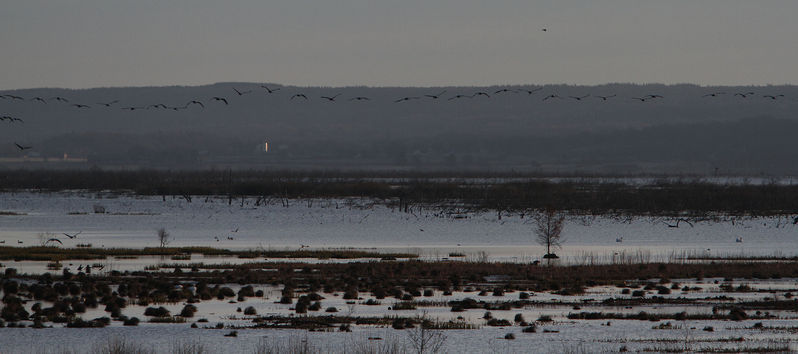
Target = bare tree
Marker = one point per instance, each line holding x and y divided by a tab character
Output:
424	339
163	237
548	230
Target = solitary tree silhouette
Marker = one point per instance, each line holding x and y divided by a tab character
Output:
163	237
425	339
548	230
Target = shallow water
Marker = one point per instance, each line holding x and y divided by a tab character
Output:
131	221
573	336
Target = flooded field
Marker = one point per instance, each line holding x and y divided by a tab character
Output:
698	319
647	297
131	221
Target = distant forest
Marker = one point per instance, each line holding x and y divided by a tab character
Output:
614	128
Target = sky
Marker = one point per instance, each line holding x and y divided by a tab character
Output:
100	43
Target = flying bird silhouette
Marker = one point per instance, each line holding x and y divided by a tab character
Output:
195	102
505	90
714	94
579	98
744	94
54	240
654	96
481	94
108	104
23	147
604	98
406	99
772	97
299	95
330	98
241	93
72	236
157	105
641	99
459	96
38	99
78	105
359	98
15	97
131	108
270	90
61	99
552	96
529	92
221	99
435	97
12	119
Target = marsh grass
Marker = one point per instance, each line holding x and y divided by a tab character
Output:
296	344
451	325
403	305
679	316
168	319
771	346
51	253
121	345
189	347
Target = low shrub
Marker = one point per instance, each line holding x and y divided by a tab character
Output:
158	312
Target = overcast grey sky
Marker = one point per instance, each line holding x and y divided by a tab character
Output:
89	43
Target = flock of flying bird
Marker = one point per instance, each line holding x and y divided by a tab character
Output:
300	96
52	239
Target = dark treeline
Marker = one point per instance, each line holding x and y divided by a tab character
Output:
498	192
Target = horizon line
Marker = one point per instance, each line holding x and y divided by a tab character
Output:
390	86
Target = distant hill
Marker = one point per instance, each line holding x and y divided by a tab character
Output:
686	130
